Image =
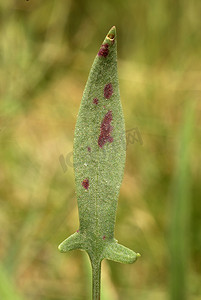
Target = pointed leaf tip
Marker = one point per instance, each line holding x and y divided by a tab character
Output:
111	34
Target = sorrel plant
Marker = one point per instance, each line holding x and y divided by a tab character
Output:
99	159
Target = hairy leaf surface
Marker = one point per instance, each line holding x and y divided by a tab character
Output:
99	159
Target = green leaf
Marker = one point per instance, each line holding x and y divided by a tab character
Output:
99	159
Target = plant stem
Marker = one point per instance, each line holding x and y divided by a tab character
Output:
96	279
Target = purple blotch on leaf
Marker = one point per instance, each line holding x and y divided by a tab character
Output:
104	51
105	130
89	149
104	237
95	101
108	90
77	230
85	183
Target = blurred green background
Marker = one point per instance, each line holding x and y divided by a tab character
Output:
46	51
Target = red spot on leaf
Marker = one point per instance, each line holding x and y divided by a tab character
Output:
104	237
77	230
104	51
95	101
85	183
108	90
89	149
106	129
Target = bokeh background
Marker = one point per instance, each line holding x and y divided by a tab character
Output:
46	51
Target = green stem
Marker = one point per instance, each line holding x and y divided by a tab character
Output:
96	279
